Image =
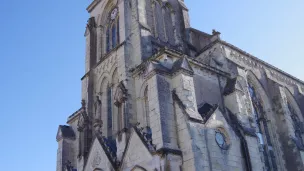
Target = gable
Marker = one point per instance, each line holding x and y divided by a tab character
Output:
136	152
98	159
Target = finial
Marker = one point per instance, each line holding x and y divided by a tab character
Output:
214	32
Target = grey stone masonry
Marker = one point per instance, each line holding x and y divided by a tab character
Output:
160	95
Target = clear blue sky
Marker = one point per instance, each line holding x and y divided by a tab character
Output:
42	61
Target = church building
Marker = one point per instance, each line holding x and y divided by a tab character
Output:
159	95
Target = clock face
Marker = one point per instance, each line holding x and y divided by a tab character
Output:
114	13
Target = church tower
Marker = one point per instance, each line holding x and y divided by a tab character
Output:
159	95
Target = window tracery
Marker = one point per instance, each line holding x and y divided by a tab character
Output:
112	30
169	23
161	20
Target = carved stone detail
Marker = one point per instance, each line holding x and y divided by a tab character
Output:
251	62
96	160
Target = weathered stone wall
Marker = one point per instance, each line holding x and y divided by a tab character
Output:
177	127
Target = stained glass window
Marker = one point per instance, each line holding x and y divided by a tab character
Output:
112	32
109	102
117	31
108	39
114	35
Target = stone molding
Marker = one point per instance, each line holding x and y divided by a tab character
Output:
93	5
274	73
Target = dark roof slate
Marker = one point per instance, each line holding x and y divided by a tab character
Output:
67	131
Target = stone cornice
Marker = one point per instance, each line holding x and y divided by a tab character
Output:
255	62
238	55
93	5
176	54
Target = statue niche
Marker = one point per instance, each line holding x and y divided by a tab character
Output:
97	116
119	100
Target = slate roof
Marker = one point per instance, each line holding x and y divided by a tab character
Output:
67	131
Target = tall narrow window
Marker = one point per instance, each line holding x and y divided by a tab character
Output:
108	40
147	117
159	21
262	129
150	15
117	31
109	103
114	35
170	29
112	32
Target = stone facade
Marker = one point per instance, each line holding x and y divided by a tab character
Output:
159	95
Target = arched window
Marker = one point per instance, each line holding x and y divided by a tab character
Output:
112	30
159	22
262	128
146	103
109	111
169	25
150	16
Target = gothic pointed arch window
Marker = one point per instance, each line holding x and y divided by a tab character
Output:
112	30
159	22
150	14
169	18
109	112
262	131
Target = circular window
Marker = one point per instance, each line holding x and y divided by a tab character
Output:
221	138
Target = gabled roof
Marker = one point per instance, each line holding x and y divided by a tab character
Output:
98	153
136	133
182	64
